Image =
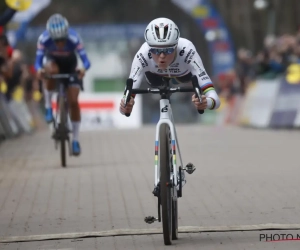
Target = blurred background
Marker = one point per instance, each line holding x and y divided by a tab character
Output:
250	48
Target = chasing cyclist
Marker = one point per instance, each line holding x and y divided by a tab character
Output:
59	44
166	55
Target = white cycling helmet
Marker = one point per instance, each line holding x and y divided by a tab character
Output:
58	27
162	32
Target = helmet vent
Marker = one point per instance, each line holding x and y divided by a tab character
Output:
161	31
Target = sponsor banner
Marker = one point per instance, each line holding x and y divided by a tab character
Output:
91	32
215	31
259	103
101	111
16	29
36	6
18	5
287	109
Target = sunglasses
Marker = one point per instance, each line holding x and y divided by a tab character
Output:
166	51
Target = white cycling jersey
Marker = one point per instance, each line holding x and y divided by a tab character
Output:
187	63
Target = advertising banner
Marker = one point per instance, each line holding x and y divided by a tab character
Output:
212	26
259	103
101	111
16	29
287	108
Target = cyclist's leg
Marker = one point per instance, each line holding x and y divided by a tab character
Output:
73	93
49	86
72	96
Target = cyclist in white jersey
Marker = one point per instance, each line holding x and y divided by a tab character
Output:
166	55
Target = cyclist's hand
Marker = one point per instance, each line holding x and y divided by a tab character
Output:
128	108
198	105
40	73
81	73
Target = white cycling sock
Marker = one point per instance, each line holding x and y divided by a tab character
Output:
75	130
48	98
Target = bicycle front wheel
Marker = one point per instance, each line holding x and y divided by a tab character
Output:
165	183
62	130
175	220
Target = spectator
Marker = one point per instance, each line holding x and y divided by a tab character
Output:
244	69
274	59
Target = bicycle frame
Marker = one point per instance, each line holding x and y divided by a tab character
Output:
166	117
61	93
61	131
166	188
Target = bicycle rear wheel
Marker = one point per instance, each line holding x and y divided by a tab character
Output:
62	130
165	184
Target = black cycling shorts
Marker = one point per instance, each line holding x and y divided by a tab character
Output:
156	80
66	65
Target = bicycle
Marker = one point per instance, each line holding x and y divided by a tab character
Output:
168	182
61	120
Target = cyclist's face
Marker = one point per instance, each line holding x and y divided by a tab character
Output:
60	43
163	60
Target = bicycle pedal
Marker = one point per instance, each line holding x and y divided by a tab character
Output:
156	191
150	219
190	168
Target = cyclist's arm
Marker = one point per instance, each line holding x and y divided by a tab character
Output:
40	53
136	73
82	53
205	83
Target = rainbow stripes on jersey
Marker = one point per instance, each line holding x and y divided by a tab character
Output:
207	87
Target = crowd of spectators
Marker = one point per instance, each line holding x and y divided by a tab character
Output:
275	57
18	82
272	60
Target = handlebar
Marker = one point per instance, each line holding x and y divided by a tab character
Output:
129	91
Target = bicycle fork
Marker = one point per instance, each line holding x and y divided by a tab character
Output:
177	179
61	130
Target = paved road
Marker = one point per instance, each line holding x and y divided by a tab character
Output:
243	177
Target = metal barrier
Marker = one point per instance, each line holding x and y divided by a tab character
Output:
8	125
18	117
272	104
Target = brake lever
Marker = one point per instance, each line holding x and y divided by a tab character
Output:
198	91
127	93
